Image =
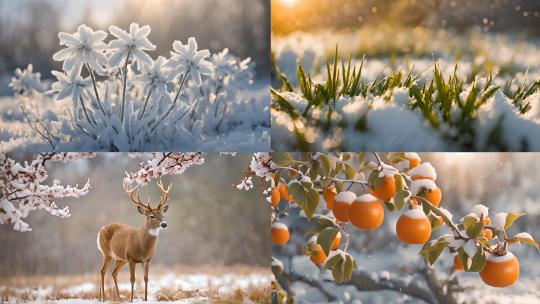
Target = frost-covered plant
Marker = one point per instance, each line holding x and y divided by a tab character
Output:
404	185
343	109
121	99
23	188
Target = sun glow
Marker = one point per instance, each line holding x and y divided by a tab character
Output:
288	3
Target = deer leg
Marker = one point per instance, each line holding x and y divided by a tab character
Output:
146	270
132	276
117	266
106	262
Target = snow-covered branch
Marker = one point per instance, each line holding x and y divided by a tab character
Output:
22	188
160	164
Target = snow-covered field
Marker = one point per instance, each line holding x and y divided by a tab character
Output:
250	127
466	111
233	284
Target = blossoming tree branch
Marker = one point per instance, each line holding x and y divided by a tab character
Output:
24	188
479	242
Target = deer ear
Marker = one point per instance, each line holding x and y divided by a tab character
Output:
165	208
141	210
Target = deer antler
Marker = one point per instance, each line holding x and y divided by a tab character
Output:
130	191
165	193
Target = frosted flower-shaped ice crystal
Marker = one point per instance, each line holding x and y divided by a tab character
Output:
73	86
224	64
83	47
187	58
155	77
25	81
134	44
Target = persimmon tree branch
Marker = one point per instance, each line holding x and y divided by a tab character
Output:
364	281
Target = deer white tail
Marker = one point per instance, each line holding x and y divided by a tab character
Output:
98	242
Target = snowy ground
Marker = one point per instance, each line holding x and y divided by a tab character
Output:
236	284
391	122
16	135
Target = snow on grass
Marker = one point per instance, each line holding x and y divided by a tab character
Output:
234	285
392	118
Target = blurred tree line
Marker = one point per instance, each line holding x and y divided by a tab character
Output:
29	28
210	221
461	15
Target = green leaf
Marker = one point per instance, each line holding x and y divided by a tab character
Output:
298	193
312	203
326	238
432	250
277	178
361	157
282	159
474	229
349	267
337	271
330	263
326	221
400	183
436	251
374	180
469	220
326	163
527	239
400	198
478	262
314	171
349	170
510	218
435	223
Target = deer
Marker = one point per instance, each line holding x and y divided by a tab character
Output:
132	245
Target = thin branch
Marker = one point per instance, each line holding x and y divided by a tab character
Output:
379	161
182	81
443	295
86	132
364	281
365	183
146	102
85	111
124	90
290	277
95	88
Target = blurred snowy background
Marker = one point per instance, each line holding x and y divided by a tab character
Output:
501	181
29	28
521	16
216	243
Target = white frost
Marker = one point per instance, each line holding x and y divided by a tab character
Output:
366	198
279	226
419	184
480	210
499	259
415	213
499	220
425	170
345	197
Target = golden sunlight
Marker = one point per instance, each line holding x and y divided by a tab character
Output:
289	3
